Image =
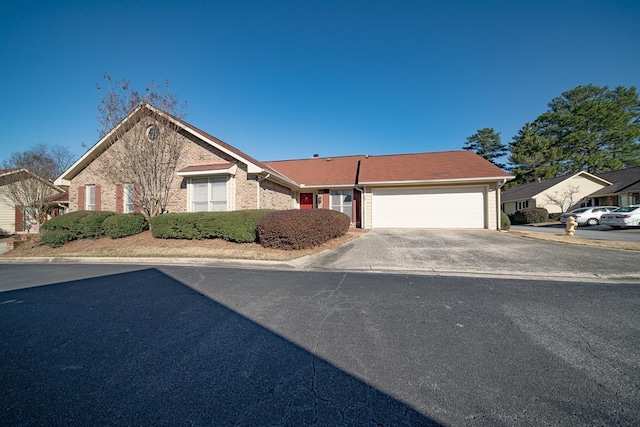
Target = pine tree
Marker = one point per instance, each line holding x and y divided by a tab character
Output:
487	144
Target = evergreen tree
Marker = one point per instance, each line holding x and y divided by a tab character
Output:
595	129
534	155
487	144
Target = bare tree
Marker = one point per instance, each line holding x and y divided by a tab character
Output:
45	161
27	180
146	147
564	199
28	192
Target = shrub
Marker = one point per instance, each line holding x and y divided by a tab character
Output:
56	238
123	225
68	222
555	216
91	225
531	216
74	225
505	222
234	226
300	229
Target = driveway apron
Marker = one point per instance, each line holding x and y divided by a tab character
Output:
484	252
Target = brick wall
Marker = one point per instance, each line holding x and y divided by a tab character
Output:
275	196
244	187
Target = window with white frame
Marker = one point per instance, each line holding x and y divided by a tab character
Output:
342	201
90	198
522	205
209	194
129	197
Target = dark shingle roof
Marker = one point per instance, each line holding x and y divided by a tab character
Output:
624	180
530	189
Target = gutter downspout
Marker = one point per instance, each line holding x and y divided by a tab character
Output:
501	184
259	180
357	188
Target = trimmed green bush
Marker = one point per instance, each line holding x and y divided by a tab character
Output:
234	226
91	225
301	229
531	216
74	225
68	222
123	225
55	238
505	222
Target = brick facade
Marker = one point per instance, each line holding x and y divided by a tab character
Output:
244	189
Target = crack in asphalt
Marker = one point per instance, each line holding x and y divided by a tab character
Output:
329	313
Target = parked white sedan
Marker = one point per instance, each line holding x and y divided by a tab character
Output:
626	216
587	216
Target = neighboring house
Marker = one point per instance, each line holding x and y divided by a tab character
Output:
12	218
456	189
549	193
624	189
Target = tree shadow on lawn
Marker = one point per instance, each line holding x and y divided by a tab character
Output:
141	348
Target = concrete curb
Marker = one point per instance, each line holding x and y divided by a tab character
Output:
148	260
299	266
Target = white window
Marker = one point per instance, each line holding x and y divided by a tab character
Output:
90	198
342	201
209	194
129	195
522	205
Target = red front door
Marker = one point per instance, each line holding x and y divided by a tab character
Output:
306	200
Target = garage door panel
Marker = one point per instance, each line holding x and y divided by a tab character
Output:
428	208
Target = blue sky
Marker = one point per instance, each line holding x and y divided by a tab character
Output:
287	79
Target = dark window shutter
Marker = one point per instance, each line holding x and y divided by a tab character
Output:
119	198
98	198
81	193
19	219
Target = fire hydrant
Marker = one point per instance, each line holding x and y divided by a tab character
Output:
571	226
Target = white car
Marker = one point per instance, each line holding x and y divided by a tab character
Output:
626	216
587	216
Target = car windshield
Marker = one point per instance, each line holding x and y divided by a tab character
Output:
578	211
627	209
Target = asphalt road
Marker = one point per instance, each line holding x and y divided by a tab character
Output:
141	345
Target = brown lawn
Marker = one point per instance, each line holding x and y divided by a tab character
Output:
577	240
145	245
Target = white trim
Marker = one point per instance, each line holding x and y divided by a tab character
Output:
229	171
435	181
62	180
228	184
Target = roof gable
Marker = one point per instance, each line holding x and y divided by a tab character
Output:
8	176
532	189
253	165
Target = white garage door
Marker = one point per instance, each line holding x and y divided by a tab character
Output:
428	207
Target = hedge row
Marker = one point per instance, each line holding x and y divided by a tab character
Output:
301	229
234	226
530	216
290	229
90	225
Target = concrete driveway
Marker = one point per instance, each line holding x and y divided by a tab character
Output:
484	252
